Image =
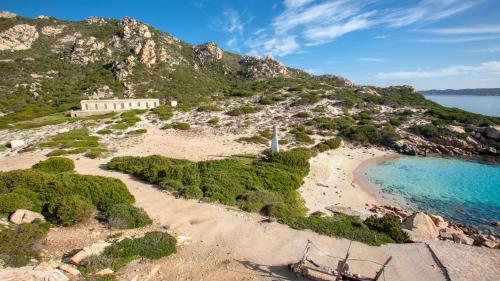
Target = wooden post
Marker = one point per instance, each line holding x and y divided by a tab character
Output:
341	268
379	273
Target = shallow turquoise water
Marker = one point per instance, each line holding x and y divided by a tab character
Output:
462	191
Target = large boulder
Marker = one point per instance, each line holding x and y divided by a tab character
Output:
422	225
18	37
493	133
94	249
25	216
17	143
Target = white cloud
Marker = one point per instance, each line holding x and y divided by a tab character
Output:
315	22
494	49
465	30
367	59
233	22
490	67
462	39
381	37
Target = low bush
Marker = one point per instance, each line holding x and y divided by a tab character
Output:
163	112
328	144
303	115
192	192
19	244
246	109
125	216
137	132
10	202
254	139
154	245
388	225
181	126
55	165
369	133
214	121
70	210
105	132
208	108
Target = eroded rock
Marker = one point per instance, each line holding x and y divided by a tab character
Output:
86	51
262	68
25	216
28	273
18	37
52	30
94	249
422	225
208	52
7	15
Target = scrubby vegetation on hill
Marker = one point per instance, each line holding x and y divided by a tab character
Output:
266	184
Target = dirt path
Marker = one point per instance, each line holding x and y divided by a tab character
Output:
248	239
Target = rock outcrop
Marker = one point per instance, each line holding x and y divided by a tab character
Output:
94	249
124	68
131	27
208	52
86	51
52	30
104	92
18	37
147	54
422	225
25	216
95	20
7	15
268	67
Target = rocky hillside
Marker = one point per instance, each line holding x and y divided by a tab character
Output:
47	65
56	62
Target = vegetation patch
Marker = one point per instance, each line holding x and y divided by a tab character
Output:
105	132
21	243
70	210
125	216
128	119
328	144
154	245
55	165
137	132
163	112
73	142
254	139
246	109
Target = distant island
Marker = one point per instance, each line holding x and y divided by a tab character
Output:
464	92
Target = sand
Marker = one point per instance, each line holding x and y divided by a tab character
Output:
335	181
257	250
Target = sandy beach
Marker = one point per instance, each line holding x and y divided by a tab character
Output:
337	182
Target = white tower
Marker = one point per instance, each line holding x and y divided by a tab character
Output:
275	142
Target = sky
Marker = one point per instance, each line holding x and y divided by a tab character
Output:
429	44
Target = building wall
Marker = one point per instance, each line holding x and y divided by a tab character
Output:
92	107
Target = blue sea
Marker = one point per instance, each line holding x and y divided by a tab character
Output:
486	105
467	192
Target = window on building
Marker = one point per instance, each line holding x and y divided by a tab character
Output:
96	107
129	104
154	104
86	107
114	105
105	106
147	104
138	103
123	105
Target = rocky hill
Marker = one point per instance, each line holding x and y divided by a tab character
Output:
47	65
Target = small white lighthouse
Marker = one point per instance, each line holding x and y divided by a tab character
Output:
275	142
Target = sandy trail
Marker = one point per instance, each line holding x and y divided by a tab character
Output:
245	238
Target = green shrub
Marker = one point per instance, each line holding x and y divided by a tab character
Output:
137	132
70	210
10	202
303	115
328	144
55	165
163	112
208	108
192	192
93	264
124	216
254	139
246	109
105	132
388	225
154	245
19	244
214	121
181	126
256	200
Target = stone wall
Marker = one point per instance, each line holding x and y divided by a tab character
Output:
96	107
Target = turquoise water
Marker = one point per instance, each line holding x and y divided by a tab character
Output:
487	105
462	191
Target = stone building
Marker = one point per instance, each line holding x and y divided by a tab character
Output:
97	107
